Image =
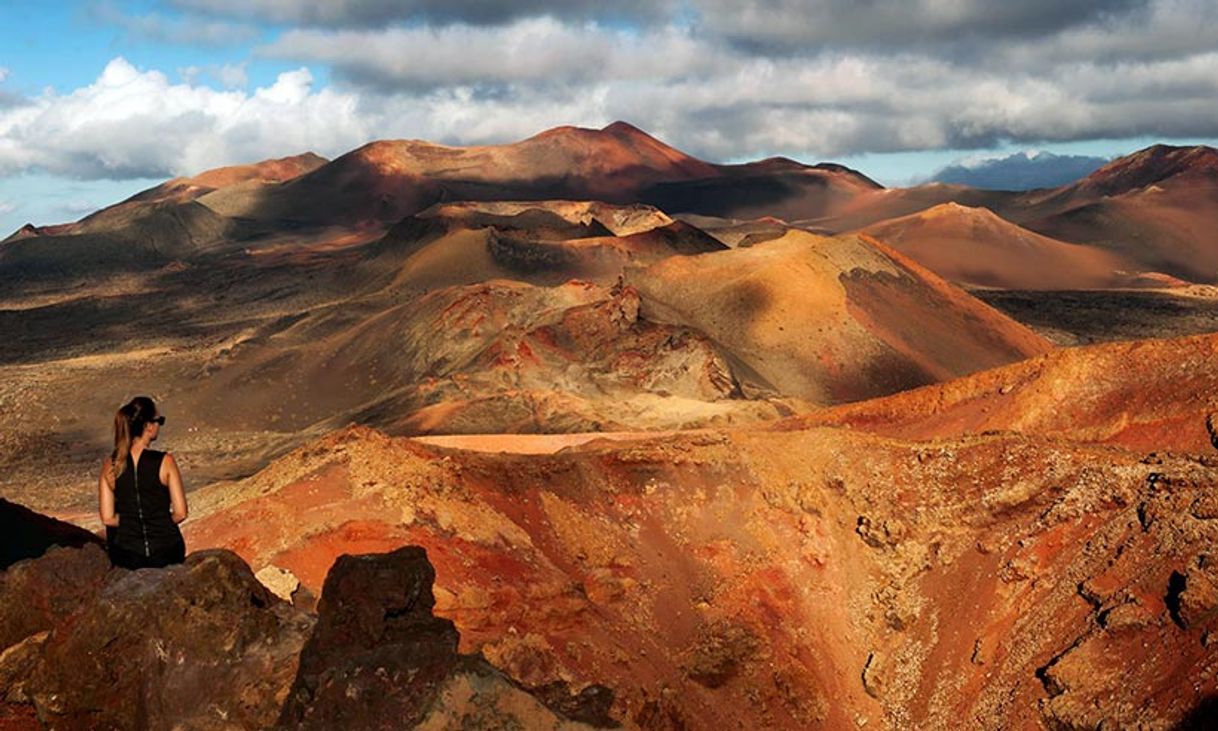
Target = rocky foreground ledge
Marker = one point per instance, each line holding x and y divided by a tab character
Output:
817	578
204	645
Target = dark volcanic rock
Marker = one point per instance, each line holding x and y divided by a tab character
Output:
36	594
376	643
28	534
379	659
198	645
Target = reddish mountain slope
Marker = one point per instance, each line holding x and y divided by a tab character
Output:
1151	209
1155	207
831	320
974	246
1162	165
182	190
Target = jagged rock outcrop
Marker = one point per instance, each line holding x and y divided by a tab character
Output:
198	645
36	594
205	645
378	658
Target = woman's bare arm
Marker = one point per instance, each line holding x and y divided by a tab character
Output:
172	477
105	495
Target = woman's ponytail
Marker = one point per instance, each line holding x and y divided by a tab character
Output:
122	440
129	423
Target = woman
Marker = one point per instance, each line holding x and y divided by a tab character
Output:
140	493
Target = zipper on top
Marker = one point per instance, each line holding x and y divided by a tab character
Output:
139	505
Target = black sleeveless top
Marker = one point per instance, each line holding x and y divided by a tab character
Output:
146	523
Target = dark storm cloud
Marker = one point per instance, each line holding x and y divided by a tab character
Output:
723	101
379	13
887	26
161	29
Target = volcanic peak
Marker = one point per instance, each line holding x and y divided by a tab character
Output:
388	157
1152	165
577	151
619	130
952	209
622	145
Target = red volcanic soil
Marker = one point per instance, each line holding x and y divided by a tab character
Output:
831	319
817	578
149	229
585	218
974	246
1144	395
1164	230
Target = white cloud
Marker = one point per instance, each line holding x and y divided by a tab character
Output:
7	207
133	123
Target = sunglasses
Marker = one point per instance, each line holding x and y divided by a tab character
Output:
158	420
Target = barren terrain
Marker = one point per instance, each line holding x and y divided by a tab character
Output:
688	445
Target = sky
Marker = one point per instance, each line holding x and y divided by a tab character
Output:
102	98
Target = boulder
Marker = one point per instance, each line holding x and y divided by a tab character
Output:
378	658
197	645
36	594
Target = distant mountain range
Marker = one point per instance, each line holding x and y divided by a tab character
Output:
1147	211
1020	171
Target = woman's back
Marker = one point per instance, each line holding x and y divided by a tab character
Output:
143	502
139	492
